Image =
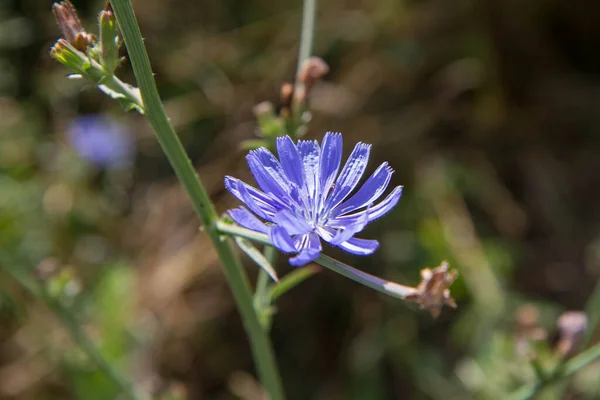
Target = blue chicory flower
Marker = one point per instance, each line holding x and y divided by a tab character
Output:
303	199
102	141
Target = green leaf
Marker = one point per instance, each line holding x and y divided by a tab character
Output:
257	257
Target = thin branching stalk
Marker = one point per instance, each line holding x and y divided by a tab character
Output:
309	12
236	276
381	285
71	325
262	283
562	371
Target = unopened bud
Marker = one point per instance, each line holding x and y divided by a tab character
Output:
109	41
66	54
572	326
312	70
287	91
75	60
70	26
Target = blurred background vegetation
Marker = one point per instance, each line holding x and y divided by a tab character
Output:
488	110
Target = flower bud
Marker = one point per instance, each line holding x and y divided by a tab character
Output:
109	41
312	70
287	92
66	54
70	27
76	61
572	326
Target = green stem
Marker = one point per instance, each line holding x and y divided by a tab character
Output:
291	280
232	268
592	310
116	85
70	323
381	285
563	371
96	73
262	294
262	284
309	10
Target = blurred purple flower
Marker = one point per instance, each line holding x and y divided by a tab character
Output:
101	141
304	199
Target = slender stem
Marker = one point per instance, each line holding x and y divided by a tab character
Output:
262	294
96	73
563	371
232	268
115	84
381	285
70	323
291	280
262	284
592	310
309	10
235	230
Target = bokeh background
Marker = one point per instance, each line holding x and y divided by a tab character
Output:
488	110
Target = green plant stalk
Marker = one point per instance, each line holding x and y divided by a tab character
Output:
592	311
116	85
381	285
292	280
86	67
262	298
309	11
69	322
563	371
262	283
238	281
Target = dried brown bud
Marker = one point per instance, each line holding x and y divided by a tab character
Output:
70	26
108	6
311	71
572	326
287	92
527	329
433	291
